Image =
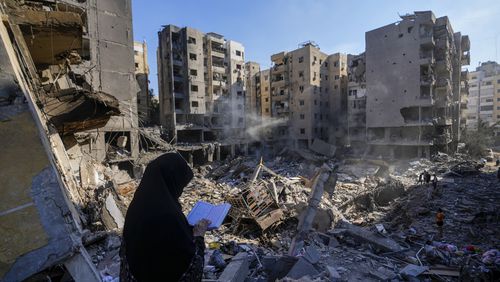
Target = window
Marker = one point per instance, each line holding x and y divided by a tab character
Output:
193	72
266	77
335	87
267	99
486	108
302	116
191	40
267	88
302	131
498	81
192	56
301	59
488	83
238	66
301	88
498	90
136	65
315	116
238	53
301	73
315	102
326	77
239	93
336	64
267	110
194	104
326	64
194	88
240	106
336	77
301	102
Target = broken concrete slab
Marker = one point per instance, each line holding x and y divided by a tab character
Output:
323	148
312	255
379	242
237	270
333	273
412	270
302	268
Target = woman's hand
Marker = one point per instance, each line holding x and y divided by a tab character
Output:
201	227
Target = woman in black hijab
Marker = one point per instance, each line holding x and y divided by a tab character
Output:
158	242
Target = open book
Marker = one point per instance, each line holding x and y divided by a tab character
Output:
214	213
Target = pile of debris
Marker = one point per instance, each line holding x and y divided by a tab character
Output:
375	224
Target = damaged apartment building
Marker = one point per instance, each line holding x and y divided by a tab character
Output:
142	77
308	94
202	88
484	98
68	113
356	103
415	86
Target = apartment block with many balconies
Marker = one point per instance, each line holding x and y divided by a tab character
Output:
307	91
201	85
414	81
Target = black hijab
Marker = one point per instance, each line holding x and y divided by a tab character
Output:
158	239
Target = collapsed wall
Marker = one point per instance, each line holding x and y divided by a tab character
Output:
68	126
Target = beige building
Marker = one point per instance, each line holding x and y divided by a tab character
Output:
307	91
265	93
142	77
253	92
201	85
415	86
484	95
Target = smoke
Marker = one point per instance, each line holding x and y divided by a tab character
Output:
258	126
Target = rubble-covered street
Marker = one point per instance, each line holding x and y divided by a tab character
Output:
378	225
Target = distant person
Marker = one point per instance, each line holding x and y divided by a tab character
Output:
498	162
421	179
158	243
427	177
440	222
434	182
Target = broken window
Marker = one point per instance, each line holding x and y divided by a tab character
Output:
301	59
194	104
301	73
267	99
191	40
301	88
194	88
337	77
238	66
335	64
326	77
193	72
238	53
301	102
192	56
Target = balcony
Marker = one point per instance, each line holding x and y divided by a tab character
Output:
466	59
218	68
427	79
442	121
278	68
442	139
427	41
278	83
465	44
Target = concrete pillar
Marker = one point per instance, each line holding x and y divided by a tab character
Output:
233	150
245	149
202	138
217	152
190	159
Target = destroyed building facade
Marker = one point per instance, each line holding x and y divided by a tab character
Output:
308	91
201	85
252	94
72	103
142	77
484	97
356	103
414	86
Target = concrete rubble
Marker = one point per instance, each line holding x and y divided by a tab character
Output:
78	154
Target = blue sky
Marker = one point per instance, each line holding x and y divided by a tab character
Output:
266	27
